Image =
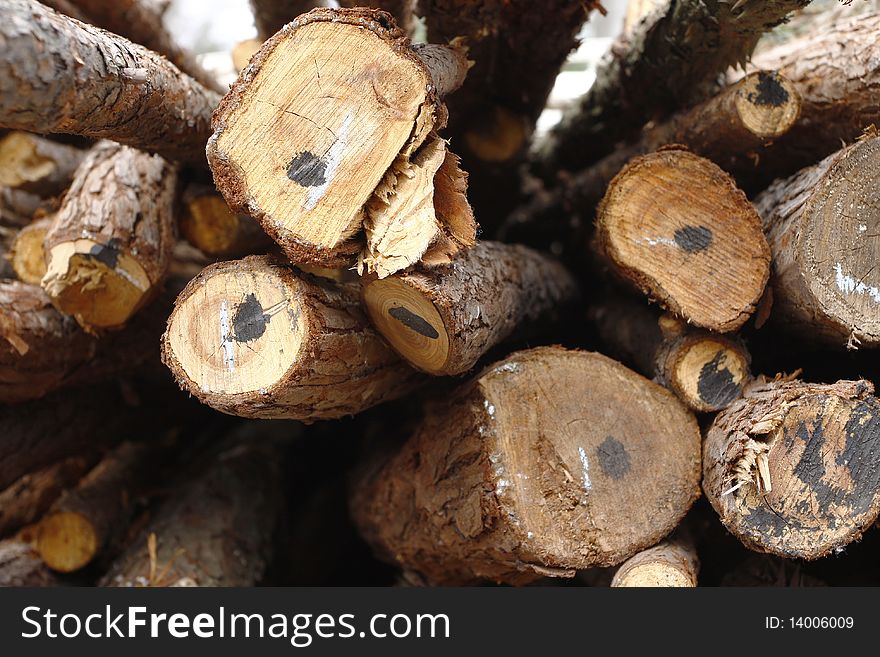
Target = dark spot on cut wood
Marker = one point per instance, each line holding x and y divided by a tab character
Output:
861	455
693	239
412	321
107	254
249	322
715	383
307	169
811	467
613	458
770	91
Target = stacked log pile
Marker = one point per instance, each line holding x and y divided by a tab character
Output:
354	320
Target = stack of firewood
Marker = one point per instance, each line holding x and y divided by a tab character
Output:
304	247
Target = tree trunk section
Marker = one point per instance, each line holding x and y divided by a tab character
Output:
100	86
443	319
110	245
793	468
209	225
548	461
823	225
253	338
678	228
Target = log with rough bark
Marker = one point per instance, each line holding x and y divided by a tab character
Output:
733	129
110	244
219	529
35	164
517	48
549	461
21	566
707	371
671	60
99	85
671	564
836	72
443	319
27	255
327	139
823	225
271	15
141	21
30	496
793	468
255	338
89	518
677	227
208	224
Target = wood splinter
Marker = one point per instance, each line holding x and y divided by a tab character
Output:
443	319
530	470
675	225
331	106
793	468
110	245
254	338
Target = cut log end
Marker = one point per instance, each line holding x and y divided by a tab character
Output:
768	104
27	256
792	468
66	541
668	565
409	321
676	225
209	225
239	332
97	284
498	135
708	372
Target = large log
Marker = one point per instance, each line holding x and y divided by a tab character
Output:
110	244
443	319
305	139
823	225
707	371
99	85
255	338
672	59
677	227
793	468
219	529
548	461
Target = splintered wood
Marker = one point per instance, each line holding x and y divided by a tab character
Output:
335	108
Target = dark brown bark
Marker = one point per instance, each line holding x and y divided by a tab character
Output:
271	15
99	86
549	461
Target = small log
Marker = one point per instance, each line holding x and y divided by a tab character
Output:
218	530
109	247
671	564
707	371
209	225
823	225
20	566
254	338
100	86
271	15
30	496
38	165
677	227
548	461
141	21
27	255
671	60
304	138
793	468
443	319
89	518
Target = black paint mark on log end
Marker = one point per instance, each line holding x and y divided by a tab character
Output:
613	458
107	254
770	92
307	169
715	383
249	322
693	239
412	321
